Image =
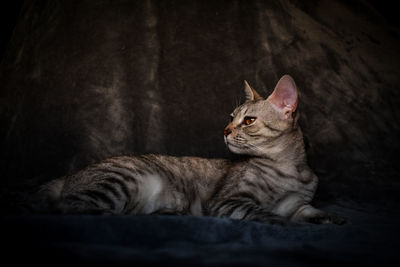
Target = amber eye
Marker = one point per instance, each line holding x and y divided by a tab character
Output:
248	120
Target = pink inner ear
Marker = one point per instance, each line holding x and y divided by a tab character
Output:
284	95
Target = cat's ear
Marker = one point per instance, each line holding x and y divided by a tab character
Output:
284	96
250	93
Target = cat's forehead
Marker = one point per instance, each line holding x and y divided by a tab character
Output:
251	108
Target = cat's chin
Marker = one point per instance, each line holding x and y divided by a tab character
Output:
242	152
234	149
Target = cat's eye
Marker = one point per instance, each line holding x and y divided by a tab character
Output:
249	120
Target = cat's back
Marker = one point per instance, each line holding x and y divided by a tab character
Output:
150	169
157	182
186	166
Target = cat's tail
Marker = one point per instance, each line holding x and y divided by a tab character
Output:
29	198
45	199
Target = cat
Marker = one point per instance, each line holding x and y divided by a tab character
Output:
272	183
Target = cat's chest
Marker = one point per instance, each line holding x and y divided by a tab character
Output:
272	179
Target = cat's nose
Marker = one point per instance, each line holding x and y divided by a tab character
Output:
227	131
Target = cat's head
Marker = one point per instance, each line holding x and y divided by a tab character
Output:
261	127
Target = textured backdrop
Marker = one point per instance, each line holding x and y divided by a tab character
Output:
85	80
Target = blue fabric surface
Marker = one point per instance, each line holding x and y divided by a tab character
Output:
369	239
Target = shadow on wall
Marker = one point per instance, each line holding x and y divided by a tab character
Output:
82	81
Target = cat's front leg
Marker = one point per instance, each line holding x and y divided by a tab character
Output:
295	207
307	213
240	208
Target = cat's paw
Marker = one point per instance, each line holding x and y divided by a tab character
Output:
328	218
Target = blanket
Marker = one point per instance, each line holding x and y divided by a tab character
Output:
370	238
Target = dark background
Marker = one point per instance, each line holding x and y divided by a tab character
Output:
81	81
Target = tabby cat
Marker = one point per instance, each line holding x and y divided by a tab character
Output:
272	184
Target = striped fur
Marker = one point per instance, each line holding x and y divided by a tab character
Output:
272	184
